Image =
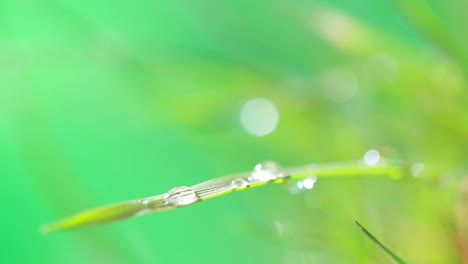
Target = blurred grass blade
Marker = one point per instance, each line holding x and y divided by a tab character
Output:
382	246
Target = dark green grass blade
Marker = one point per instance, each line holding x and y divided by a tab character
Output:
376	241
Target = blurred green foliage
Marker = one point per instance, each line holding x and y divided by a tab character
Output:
103	101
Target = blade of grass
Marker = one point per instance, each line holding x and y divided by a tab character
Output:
214	188
96	216
382	246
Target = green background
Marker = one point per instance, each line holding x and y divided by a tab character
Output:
105	101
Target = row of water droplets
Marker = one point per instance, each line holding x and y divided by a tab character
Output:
265	171
262	172
270	170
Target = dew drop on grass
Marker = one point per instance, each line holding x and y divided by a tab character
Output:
300	186
371	158
179	196
237	183
309	182
265	171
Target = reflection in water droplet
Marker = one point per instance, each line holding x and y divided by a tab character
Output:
300	185
237	183
179	196
265	171
309	182
371	158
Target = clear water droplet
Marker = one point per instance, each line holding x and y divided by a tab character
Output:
309	182
299	186
181	195
371	158
237	183
265	171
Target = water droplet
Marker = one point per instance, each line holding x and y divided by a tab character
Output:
309	182
179	196
237	183
265	171
371	158
299	186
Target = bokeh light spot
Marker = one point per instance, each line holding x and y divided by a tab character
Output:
259	117
340	84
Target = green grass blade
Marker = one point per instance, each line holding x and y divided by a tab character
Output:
98	215
214	188
382	246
